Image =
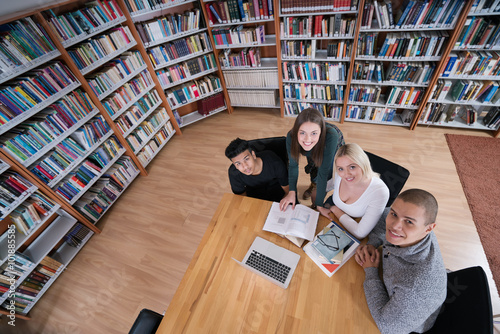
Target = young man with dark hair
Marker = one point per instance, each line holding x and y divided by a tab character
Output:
408	294
260	175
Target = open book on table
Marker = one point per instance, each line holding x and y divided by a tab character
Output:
297	224
331	248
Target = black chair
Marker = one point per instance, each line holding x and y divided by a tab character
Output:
393	175
274	144
147	322
467	308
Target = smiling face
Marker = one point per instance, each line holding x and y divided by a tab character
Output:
245	162
405	224
348	170
308	135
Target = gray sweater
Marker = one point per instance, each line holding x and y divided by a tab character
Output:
414	284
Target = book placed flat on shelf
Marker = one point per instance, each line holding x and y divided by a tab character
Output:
297	224
331	248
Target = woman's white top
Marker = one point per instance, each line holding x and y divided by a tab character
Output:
370	206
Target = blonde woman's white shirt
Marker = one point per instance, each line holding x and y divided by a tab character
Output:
370	206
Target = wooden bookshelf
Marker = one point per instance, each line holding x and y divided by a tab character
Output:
266	48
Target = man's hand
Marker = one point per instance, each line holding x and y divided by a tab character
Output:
367	256
288	199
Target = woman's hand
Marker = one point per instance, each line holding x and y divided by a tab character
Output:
336	211
288	199
324	212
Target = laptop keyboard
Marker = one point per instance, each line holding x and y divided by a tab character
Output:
268	266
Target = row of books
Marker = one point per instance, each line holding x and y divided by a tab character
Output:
29	213
89	170
186	69
239	35
34	87
31	137
146	129
413	14
58	160
96	48
169	26
410	72
165	53
382	12
485	6
139	6
325	71
211	103
467	90
94	15
27	292
91	132
375	114
439	113
253	98
328	110
470	63
105	191
10	271
304	91
403	45
12	186
318	26
302	6
76	235
405	96
364	94
151	149
131	90
246	57
144	106
234	11
21	42
115	71
257	78
336	50
492	118
192	90
479	33
48	124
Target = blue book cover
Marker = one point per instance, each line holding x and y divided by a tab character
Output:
405	13
491	92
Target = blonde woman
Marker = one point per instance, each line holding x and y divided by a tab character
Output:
358	191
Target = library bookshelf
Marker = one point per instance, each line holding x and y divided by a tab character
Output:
465	94
245	48
175	39
316	46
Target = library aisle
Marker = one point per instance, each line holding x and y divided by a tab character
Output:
145	246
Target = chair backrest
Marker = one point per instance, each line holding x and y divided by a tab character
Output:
467	308
393	175
147	322
275	144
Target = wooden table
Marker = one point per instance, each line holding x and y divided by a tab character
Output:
217	295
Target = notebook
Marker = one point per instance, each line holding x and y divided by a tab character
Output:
270	261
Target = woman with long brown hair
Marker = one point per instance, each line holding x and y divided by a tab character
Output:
319	141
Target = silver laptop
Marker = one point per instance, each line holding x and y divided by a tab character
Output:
270	261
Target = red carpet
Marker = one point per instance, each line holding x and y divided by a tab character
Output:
477	160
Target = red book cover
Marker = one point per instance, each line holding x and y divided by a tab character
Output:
265	9
115	6
17	183
209	14
50	177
